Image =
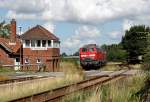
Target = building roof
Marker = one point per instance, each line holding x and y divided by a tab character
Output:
9	46
89	46
38	33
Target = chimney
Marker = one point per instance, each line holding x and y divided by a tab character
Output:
13	31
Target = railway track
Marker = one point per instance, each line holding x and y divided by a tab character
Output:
56	94
20	79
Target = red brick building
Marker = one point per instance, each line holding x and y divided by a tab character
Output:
36	49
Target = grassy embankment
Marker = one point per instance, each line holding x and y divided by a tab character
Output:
119	91
112	66
72	74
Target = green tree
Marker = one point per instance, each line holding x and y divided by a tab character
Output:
4	29
76	53
145	90
135	42
63	54
114	52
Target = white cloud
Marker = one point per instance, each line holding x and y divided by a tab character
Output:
82	11
83	35
139	20
24	6
115	34
127	24
13	14
49	26
87	32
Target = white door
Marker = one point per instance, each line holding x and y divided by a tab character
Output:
17	63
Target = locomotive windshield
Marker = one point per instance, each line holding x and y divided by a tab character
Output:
84	49
87	49
91	49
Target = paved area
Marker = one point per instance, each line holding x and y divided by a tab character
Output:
91	73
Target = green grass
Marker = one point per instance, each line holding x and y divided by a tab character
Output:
114	67
5	69
119	91
17	90
90	95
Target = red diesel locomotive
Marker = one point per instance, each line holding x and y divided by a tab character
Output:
92	56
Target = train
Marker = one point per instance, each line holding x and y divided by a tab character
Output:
92	56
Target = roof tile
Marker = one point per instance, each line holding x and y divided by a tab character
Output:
38	33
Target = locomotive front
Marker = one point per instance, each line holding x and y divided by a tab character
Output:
91	56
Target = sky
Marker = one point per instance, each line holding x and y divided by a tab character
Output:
78	22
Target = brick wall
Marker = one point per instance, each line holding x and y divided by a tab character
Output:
50	58
4	58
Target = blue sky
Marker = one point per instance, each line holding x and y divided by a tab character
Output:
78	22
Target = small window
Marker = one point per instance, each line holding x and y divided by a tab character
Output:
32	43
17	59
56	44
38	43
84	49
49	43
91	49
43	43
26	61
38	60
27	43
98	49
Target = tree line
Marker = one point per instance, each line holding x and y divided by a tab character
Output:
133	47
4	29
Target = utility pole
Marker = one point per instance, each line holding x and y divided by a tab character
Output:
20	28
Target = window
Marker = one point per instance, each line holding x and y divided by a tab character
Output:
98	49
91	49
32	43
27	43
17	59
84	49
49	43
56	44
38	43
38	60
26	61
43	43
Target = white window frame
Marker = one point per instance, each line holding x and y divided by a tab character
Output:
33	43
37	43
25	44
48	44
38	61
26	61
45	43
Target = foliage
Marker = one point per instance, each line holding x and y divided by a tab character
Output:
123	90
114	52
81	96
76	53
64	54
4	29
135	41
118	91
145	90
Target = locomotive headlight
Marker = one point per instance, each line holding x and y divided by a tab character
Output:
92	55
83	55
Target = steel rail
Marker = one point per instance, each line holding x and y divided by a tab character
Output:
55	94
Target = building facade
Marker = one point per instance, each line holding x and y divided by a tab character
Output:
38	49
